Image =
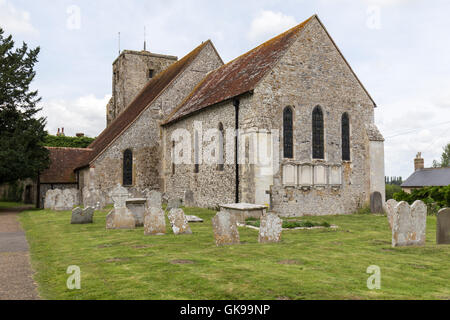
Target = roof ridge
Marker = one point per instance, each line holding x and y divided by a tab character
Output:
294	30
69	148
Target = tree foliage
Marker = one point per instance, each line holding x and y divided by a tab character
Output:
445	158
67	142
22	154
435	198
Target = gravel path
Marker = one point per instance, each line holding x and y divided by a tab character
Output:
16	282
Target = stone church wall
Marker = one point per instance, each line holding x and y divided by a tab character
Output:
313	73
143	136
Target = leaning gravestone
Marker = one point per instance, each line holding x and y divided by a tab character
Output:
225	229
409	224
154	222
179	222
80	216
154	199
270	228
189	199
174	203
390	208
120	217
443	227
376	202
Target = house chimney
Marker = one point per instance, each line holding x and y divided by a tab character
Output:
62	132
58	134
419	163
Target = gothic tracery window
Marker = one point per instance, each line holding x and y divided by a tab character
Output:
128	168
288	135
345	137
318	133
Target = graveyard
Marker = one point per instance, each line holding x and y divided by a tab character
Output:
325	263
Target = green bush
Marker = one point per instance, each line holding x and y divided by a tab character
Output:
290	224
67	142
435	198
391	189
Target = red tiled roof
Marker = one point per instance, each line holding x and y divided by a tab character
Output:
238	76
147	95
63	162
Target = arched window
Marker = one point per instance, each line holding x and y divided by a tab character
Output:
318	133
196	153
221	158
128	168
345	137
288	134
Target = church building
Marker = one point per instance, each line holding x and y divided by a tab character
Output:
287	124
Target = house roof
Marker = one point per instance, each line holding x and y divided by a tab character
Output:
63	161
145	97
432	177
238	76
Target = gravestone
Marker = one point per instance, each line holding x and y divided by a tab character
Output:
225	229
189	199
409	224
154	199
49	201
120	217
179	222
93	198
174	203
154	222
270	228
390	208
194	219
138	208
376	202
80	216
443	227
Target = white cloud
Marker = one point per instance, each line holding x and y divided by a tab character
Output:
385	3
268	24
86	114
16	21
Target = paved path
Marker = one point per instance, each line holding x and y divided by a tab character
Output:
16	282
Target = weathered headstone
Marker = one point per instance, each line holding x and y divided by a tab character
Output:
194	219
225	229
154	199
189	199
376	202
390	209
174	203
409	224
179	222
120	217
443	227
49	202
270	228
93	197
138	208
80	216
154	222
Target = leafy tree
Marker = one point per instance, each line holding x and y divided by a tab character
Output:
67	142
22	154
445	158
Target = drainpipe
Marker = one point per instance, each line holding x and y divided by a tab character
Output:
236	103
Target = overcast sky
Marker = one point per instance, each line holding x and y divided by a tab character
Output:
400	50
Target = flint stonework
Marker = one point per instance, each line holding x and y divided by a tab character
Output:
390	209
174	203
409	224
189	199
270	228
225	229
80	216
154	222
179	222
443	227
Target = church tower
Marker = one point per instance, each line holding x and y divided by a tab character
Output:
131	72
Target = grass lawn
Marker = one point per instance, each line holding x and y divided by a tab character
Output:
307	264
5	205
